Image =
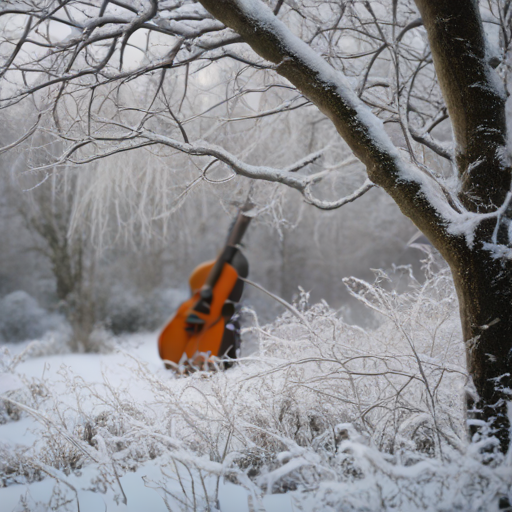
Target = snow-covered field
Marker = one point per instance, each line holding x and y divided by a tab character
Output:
63	375
324	417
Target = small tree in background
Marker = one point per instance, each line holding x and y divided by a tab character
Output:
47	212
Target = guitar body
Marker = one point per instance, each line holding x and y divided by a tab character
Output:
199	276
201	327
177	339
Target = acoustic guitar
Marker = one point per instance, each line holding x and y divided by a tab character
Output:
198	332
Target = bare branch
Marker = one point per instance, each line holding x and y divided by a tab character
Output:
24	137
325	205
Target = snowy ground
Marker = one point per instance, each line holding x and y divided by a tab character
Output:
325	416
117	369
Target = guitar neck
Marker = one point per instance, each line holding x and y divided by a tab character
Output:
238	229
234	238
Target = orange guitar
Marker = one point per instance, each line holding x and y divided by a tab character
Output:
198	329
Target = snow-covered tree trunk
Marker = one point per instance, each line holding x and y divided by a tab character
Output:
484	288
483	271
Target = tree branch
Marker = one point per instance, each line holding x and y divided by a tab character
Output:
332	205
330	91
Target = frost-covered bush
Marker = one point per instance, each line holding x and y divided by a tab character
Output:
128	311
21	318
342	418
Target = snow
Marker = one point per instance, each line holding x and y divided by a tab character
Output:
233	498
192	29
96	369
18	432
138	495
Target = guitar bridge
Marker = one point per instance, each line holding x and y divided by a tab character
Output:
194	323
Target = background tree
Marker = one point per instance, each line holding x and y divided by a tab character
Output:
110	76
47	212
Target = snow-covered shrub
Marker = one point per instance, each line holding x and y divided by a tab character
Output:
21	318
128	311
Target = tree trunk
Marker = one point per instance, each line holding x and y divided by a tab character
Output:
484	289
476	102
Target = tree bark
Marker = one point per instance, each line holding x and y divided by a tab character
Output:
484	289
475	97
483	279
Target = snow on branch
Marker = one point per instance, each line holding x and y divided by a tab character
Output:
330	90
444	150
203	148
299	182
332	205
139	138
